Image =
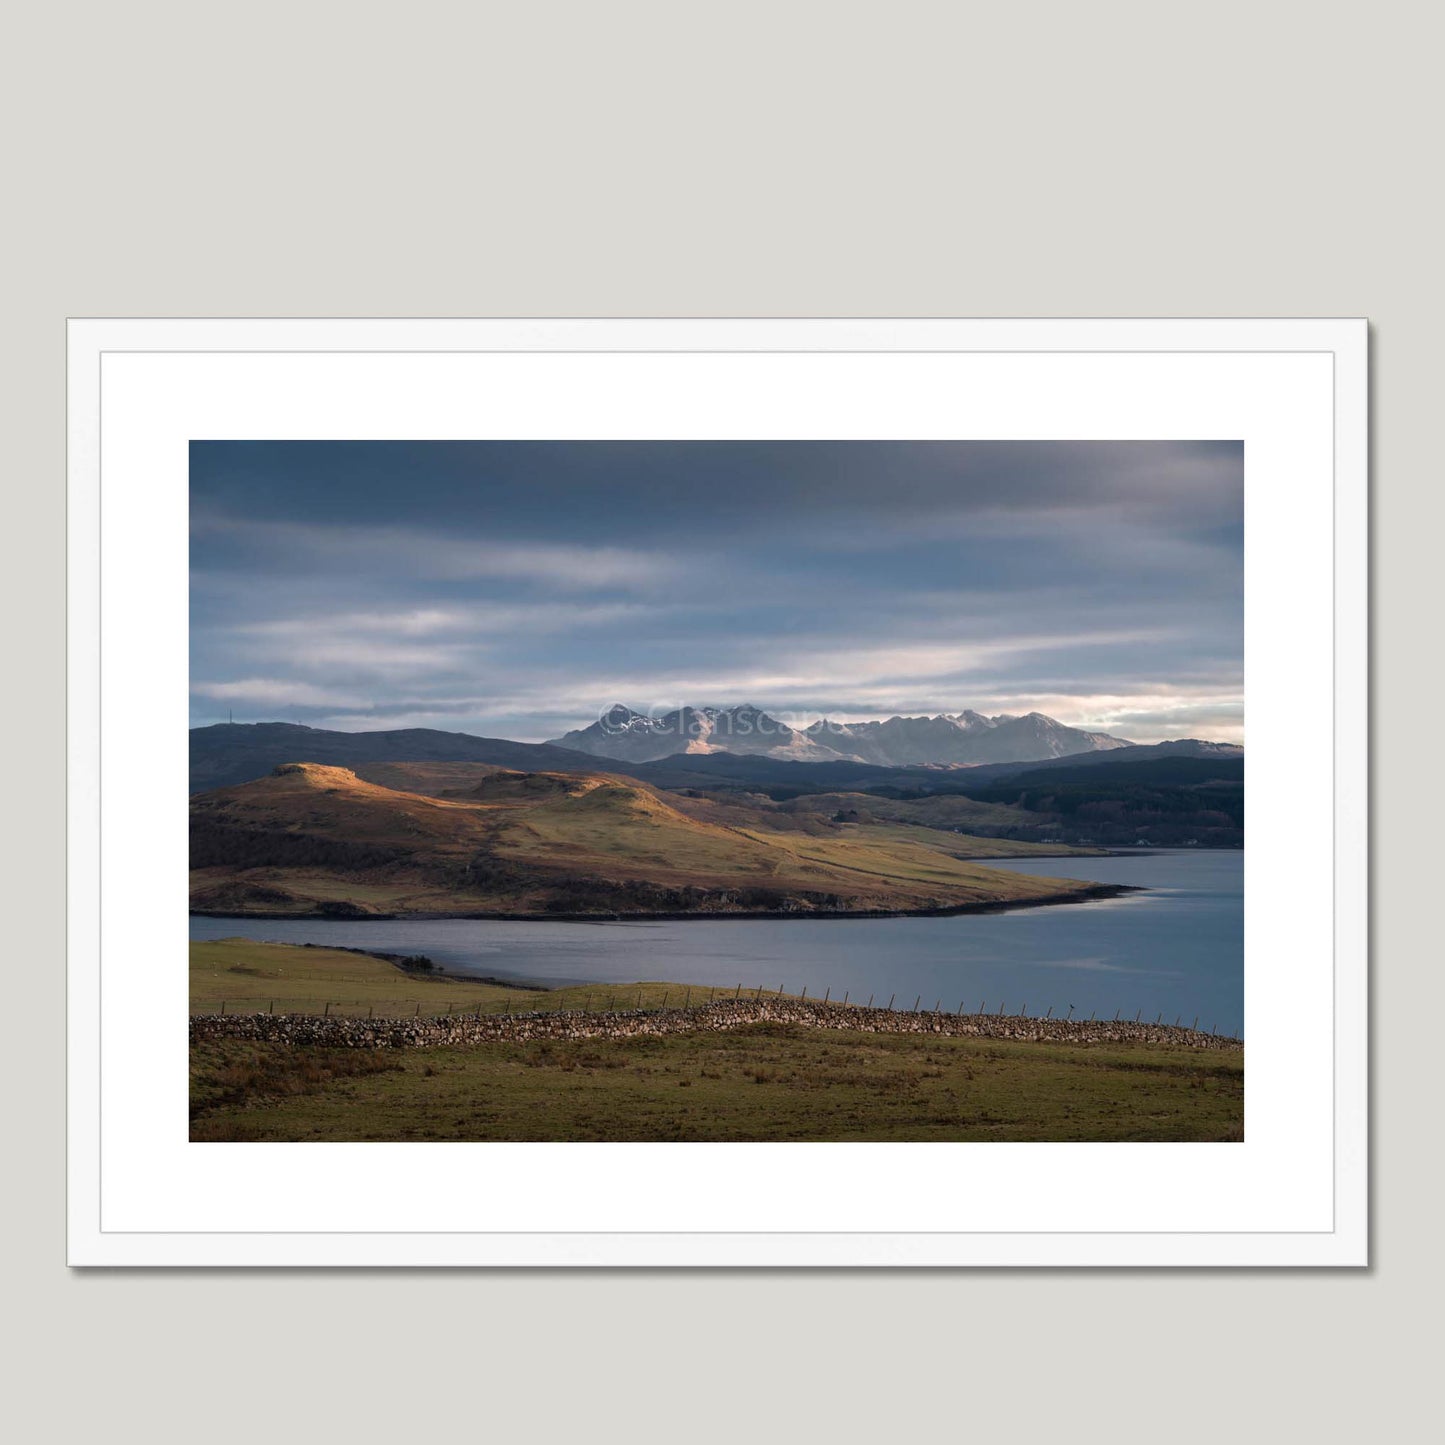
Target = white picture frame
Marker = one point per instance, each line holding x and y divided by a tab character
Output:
1294	1192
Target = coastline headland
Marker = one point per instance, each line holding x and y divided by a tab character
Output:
1093	892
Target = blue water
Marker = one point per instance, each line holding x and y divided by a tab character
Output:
1176	950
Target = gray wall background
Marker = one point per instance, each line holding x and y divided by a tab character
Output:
751	159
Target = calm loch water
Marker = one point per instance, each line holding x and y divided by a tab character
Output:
1177	949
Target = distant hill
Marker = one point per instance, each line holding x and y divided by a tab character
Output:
1170	794
776	776
1164	799
1135	755
1135	768
944	740
231	753
312	839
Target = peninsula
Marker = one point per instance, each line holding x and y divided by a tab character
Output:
471	840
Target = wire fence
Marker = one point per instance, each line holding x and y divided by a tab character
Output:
646	999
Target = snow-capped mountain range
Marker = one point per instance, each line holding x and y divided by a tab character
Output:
949	739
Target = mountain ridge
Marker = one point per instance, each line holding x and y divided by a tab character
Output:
964	738
224	754
748	731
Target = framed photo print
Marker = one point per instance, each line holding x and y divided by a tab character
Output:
717	792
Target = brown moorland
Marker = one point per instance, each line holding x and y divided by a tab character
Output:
318	840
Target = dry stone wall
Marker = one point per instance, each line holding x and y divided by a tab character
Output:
705	1018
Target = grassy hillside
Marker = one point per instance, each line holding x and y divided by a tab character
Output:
935	820
770	1082
316	839
433	779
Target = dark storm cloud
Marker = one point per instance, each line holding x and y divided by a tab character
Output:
517	588
586	491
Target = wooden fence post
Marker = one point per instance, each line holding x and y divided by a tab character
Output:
891	997
827	993
327	1013
845	998
916	1002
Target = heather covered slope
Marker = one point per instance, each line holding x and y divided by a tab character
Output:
768	1082
311	839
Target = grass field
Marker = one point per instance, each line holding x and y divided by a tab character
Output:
768	1082
248	977
968	845
911	857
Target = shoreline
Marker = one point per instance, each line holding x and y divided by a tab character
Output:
434	974
1095	892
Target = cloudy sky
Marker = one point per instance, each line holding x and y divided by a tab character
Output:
518	589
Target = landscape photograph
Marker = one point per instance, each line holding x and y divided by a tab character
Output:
716	791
